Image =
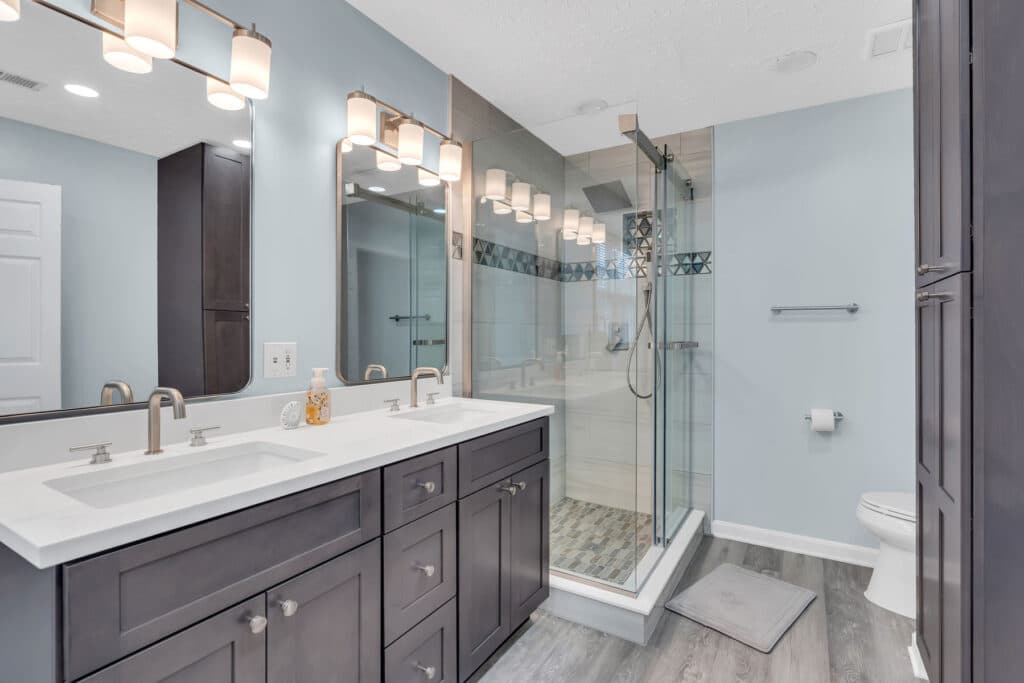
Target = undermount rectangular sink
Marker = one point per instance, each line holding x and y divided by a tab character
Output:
441	414
134	483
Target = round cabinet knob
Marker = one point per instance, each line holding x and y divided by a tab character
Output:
427	486
427	569
429	672
257	624
521	485
511	490
288	607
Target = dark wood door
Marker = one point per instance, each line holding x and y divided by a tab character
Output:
227	648
226	351
325	625
944	478
485	618
942	137
225	230
529	545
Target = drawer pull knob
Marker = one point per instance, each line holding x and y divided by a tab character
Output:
510	489
924	269
521	485
427	486
427	569
428	671
288	607
257	625
925	297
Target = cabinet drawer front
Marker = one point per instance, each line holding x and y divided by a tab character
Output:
419	486
428	648
119	602
419	570
222	649
496	456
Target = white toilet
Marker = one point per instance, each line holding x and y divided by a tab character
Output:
892	517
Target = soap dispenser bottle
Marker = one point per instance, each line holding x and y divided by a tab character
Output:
318	399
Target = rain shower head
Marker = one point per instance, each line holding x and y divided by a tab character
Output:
608	197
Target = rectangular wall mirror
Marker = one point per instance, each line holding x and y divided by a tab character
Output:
392	269
125	203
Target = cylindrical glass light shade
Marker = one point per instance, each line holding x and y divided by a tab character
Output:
220	95
450	165
495	183
586	230
410	142
520	196
346	146
600	233
427	179
523	217
571	224
123	56
362	119
10	10
501	208
542	206
250	63
151	26
387	163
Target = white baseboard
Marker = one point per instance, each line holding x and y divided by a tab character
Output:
794	543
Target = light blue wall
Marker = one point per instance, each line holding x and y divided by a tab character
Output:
814	207
108	243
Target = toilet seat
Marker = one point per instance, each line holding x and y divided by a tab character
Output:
891	504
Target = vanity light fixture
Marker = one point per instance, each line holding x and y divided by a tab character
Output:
346	146
542	206
600	233
410	142
570	224
520	196
427	179
81	90
450	164
119	54
10	10
362	118
151	26
387	163
501	208
495	184
250	63
586	232
523	217
220	95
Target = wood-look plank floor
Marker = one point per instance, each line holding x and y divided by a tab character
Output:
841	638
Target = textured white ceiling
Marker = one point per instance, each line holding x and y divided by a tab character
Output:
682	64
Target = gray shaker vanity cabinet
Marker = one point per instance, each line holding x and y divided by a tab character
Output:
529	547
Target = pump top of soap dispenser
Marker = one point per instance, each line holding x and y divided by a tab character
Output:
318	381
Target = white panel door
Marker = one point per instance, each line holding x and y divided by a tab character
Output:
30	222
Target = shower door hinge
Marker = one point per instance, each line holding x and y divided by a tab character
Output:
970	57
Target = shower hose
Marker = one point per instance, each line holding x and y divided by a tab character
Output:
645	321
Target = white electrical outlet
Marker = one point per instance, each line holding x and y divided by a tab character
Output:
280	359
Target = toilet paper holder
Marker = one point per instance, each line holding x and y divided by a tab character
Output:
835	413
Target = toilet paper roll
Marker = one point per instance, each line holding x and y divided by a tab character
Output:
823	420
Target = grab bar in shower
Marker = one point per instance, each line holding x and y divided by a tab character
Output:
398	318
678	345
850	308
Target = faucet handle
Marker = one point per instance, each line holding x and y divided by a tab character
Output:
393	402
432	396
199	435
101	455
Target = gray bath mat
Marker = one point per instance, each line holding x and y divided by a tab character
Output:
752	608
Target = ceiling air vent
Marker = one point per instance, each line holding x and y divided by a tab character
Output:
890	39
20	81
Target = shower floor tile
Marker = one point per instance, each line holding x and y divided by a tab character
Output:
598	541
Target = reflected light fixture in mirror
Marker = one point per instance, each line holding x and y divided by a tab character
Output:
501	208
410	142
151	26
362	119
220	95
570	224
523	217
10	10
520	196
495	184
123	56
450	164
250	63
387	163
542	206
586	231
346	146
427	179
600	233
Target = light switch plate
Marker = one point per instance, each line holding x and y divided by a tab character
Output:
279	359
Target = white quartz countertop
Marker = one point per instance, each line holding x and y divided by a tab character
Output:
48	527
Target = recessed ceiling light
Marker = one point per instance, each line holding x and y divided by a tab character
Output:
792	62
377	188
81	90
242	144
592	107
439	212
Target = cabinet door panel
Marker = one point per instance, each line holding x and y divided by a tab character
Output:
485	620
529	546
225	230
226	351
333	635
222	649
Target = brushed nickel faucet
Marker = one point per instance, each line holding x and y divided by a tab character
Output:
155	399
414	399
119	386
